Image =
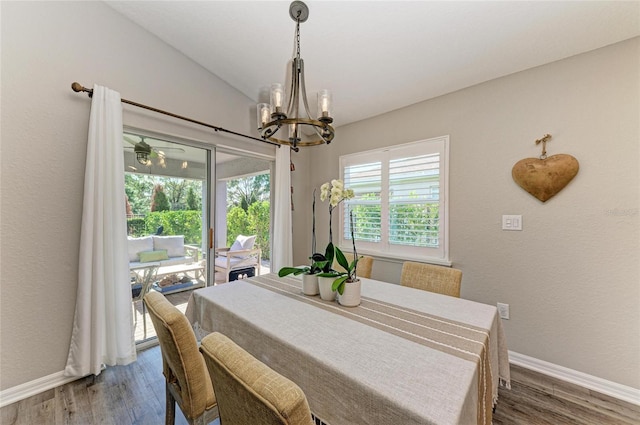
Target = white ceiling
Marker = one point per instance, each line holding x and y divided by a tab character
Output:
378	56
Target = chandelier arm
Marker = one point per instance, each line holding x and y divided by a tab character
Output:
303	86
292	89
318	133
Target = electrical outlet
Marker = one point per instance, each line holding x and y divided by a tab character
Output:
503	311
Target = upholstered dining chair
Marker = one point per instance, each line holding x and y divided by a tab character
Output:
365	264
187	379
248	391
443	280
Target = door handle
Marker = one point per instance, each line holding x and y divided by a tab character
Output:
210	238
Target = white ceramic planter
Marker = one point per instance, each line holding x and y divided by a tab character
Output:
324	284
351	295
310	284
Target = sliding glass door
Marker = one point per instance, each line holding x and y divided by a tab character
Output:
185	201
168	207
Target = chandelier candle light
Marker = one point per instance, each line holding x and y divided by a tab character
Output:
273	116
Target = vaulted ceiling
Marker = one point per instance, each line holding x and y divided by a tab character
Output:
378	56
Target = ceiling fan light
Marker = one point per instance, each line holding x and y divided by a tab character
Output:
142	157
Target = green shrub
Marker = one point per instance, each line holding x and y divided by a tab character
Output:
258	217
136	226
187	223
237	224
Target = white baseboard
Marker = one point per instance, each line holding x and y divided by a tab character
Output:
619	391
613	389
37	386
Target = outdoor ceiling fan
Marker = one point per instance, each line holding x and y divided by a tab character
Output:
144	151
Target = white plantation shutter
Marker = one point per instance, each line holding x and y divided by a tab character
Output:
366	182
400	205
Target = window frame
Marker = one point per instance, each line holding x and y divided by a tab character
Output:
384	249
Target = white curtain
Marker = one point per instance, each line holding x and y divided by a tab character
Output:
102	326
282	254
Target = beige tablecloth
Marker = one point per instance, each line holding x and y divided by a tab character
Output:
404	356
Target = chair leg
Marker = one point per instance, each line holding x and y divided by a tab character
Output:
144	319
170	417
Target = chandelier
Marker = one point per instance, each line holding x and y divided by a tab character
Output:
274	121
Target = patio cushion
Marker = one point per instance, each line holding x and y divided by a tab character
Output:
173	244
149	256
172	261
138	245
222	262
242	243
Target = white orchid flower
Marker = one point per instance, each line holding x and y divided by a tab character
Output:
324	192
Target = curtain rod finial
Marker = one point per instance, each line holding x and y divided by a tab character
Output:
77	87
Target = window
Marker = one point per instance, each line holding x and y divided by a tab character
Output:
400	204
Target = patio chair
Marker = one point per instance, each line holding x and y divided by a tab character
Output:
248	391
240	255
143	278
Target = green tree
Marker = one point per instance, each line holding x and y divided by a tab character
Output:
139	188
159	201
176	190
194	202
245	191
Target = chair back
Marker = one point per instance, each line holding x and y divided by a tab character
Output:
183	365
443	280
365	264
248	391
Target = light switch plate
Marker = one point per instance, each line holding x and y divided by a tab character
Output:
511	222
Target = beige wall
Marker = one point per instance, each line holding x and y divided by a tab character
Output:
45	47
571	276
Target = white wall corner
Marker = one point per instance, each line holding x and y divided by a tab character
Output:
613	389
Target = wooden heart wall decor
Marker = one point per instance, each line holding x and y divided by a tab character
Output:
544	177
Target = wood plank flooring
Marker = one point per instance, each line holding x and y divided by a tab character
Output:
134	394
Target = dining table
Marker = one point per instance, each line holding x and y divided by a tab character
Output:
403	356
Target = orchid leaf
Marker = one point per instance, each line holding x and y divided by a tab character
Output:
292	270
342	260
338	284
318	257
330	252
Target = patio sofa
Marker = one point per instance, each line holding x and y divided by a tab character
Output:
160	250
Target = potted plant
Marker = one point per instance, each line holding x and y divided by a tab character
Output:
320	266
327	275
347	283
319	262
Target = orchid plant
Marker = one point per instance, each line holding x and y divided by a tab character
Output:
350	275
318	261
336	193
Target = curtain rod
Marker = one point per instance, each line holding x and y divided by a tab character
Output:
77	87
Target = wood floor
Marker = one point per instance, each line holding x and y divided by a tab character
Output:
134	394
